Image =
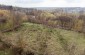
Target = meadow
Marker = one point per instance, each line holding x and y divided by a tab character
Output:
41	33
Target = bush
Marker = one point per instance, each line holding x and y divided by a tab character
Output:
9	20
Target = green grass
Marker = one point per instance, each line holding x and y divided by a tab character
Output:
41	40
5	52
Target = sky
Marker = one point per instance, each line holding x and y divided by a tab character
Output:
44	3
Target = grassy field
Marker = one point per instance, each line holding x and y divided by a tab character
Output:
41	40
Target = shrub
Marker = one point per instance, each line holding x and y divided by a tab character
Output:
9	20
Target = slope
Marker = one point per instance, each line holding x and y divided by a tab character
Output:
36	39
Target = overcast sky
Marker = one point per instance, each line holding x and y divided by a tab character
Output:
44	3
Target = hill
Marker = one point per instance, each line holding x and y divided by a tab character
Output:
50	9
36	39
26	31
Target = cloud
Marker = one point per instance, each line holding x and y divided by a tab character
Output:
29	1
64	3
44	3
72	1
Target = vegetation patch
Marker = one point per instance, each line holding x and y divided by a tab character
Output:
38	39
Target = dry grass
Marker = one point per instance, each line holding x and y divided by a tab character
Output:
40	40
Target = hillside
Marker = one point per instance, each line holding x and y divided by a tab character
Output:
37	32
36	39
50	9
